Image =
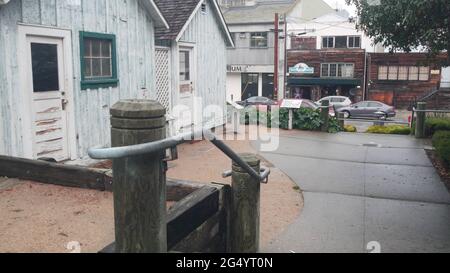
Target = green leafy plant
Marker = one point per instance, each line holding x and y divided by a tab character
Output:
390	130
433	125
441	141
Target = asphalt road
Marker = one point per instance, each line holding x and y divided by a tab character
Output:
360	191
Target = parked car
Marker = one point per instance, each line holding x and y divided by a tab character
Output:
368	109
336	101
257	101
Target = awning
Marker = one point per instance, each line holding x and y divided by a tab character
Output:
323	81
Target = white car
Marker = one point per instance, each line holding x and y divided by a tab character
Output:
337	101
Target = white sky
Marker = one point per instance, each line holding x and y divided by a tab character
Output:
341	5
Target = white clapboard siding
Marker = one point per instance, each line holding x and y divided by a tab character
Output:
126	19
210	42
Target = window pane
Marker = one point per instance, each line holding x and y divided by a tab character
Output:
393	73
45	67
413	73
325	72
357	42
424	73
403	73
87	48
96	48
96	68
106	68
382	72
87	67
340	42
333	70
106	49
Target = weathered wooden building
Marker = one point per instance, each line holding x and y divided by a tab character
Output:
324	72
399	79
193	53
63	63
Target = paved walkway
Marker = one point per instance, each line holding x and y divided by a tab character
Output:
360	188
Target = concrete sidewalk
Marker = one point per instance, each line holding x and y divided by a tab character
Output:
360	188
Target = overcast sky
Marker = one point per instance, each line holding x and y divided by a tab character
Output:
341	5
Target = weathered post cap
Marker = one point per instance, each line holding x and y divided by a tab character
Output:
138	109
250	159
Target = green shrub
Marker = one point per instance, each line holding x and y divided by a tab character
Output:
390	130
350	129
433	125
441	141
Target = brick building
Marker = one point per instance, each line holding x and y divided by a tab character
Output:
315	74
399	79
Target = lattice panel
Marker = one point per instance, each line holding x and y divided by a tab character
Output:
163	78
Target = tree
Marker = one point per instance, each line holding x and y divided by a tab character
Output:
407	24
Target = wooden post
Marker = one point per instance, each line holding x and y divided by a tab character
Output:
341	119
245	208
420	122
325	115
139	182
291	119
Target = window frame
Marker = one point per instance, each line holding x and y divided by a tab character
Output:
338	65
354	41
99	82
262	33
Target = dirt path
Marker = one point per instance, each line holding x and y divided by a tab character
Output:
43	218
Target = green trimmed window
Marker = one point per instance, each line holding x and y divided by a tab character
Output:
98	60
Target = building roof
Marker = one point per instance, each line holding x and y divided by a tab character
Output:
149	5
261	12
179	14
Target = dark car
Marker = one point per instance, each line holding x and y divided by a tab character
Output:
368	109
257	101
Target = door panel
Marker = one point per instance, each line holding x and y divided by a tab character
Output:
187	84
48	98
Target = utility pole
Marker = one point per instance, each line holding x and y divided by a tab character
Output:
275	75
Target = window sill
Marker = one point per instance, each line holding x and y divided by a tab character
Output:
95	84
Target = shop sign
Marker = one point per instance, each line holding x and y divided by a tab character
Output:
301	68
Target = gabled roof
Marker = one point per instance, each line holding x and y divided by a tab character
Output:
149	5
179	14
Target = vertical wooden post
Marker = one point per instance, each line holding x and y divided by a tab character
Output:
291	119
139	182
245	208
341	119
325	115
420	122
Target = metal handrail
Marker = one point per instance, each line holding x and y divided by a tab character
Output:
160	145
432	111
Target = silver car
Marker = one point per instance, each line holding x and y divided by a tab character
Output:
336	101
368	109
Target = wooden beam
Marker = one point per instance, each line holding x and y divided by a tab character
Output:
53	173
187	216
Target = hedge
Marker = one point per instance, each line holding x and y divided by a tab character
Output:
433	125
350	129
441	142
390	130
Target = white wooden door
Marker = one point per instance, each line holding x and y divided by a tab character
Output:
187	83
48	97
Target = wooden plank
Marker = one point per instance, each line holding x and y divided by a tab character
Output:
208	238
52	173
187	215
177	189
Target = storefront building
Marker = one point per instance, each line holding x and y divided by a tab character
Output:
314	74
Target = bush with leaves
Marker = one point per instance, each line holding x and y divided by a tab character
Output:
433	125
390	130
441	141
